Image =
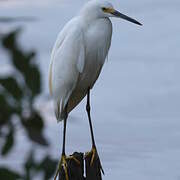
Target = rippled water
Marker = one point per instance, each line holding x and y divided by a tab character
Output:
136	101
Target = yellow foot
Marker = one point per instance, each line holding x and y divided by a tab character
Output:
93	153
71	157
94	156
63	163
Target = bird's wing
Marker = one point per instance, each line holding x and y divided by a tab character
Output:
67	63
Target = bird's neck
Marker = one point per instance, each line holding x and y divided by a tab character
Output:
88	16
88	19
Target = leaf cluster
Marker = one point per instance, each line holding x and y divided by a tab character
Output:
18	93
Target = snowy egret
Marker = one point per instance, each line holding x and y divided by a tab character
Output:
77	59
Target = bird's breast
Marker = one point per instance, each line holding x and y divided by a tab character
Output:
97	40
97	43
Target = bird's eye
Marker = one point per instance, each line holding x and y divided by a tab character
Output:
104	9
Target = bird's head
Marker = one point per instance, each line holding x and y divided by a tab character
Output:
104	9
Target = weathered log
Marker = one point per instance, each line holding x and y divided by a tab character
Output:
93	172
76	171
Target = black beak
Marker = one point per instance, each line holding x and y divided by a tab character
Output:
120	15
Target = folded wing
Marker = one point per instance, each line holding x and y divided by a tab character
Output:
67	62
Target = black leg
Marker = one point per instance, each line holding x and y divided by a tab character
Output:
93	164
64	134
64	166
62	162
88	108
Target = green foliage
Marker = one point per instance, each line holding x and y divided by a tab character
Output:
23	63
24	92
11	86
18	93
34	127
9	174
5	111
46	165
9	141
30	166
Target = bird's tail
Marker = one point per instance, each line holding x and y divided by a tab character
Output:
59	108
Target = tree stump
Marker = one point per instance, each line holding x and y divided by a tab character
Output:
76	172
93	172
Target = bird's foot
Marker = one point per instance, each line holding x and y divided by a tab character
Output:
94	157
63	163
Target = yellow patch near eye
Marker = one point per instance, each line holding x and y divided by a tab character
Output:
108	10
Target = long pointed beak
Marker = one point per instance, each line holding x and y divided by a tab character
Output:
122	16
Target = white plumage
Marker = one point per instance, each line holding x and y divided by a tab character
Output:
77	59
76	62
79	54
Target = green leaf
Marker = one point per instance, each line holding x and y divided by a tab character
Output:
48	166
29	72
30	56
8	40
12	87
33	79
8	143
5	110
34	127
6	174
3	114
23	63
30	162
29	165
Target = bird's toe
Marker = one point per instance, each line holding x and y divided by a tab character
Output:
94	158
62	164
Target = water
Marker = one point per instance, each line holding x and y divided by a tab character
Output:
135	102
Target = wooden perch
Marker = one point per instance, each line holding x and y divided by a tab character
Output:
93	172
76	171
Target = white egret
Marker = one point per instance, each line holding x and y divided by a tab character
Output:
77	59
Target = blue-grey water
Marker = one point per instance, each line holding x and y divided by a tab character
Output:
135	102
